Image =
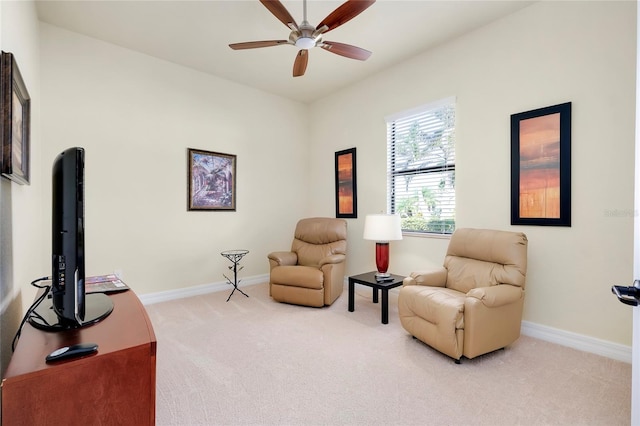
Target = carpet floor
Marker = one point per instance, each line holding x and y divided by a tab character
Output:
253	361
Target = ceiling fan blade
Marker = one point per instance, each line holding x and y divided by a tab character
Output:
256	44
345	12
300	65
346	50
280	12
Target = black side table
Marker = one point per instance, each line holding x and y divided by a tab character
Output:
369	279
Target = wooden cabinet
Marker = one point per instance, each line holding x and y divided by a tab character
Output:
115	386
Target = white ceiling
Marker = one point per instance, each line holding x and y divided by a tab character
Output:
196	34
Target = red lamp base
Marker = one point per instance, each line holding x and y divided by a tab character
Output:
382	260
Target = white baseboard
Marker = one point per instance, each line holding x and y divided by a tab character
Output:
577	341
181	293
554	335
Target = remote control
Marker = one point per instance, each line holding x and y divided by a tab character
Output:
72	351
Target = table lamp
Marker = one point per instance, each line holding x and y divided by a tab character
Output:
382	228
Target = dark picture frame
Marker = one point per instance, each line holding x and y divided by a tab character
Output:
346	184
541	166
212	180
16	121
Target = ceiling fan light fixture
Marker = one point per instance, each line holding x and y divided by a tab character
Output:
305	43
305	36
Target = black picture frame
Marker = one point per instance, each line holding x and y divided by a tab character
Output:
346	184
16	121
211	180
541	166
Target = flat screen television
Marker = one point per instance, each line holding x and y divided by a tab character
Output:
68	305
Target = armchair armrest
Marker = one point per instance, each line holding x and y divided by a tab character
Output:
433	277
332	259
283	258
497	295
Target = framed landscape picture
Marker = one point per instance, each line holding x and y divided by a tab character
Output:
541	166
212	180
346	189
16	116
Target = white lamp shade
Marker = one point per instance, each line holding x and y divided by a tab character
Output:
382	227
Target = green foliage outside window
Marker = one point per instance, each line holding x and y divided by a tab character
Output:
422	169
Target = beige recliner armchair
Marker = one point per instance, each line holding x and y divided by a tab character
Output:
312	273
473	304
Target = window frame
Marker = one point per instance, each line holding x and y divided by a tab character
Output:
403	120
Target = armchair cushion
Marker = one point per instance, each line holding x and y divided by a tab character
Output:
434	315
484	257
300	276
443	307
316	239
465	274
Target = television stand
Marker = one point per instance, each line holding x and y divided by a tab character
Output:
116	385
97	306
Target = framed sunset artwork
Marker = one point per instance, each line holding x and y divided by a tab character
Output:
541	166
346	189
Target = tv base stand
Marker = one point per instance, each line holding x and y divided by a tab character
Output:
97	307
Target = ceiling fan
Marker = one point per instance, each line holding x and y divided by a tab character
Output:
306	36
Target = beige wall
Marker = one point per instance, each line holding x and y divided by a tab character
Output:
136	116
546	54
21	221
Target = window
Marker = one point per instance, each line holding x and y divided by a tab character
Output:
421	167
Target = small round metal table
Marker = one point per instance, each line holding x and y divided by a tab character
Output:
234	256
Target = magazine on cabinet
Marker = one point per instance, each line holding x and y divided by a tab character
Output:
104	284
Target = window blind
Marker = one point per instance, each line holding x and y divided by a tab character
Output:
421	167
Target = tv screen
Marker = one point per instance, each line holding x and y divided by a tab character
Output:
67	286
68	306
